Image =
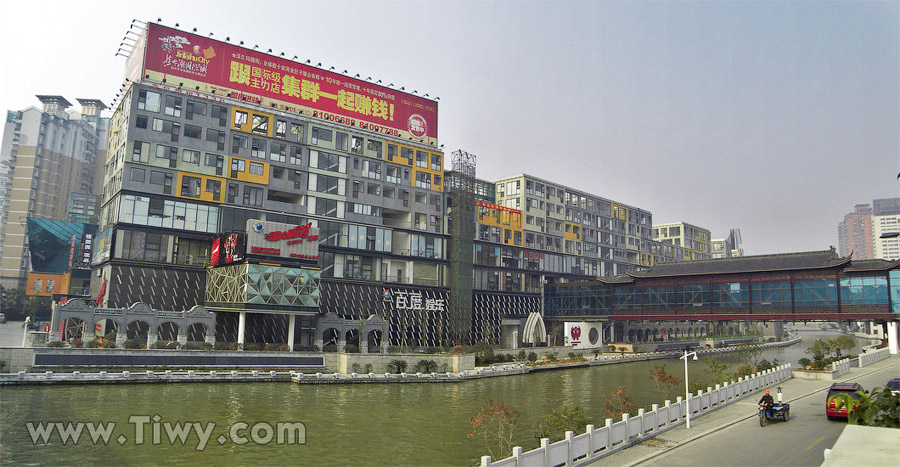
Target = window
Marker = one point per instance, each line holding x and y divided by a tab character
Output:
356	145
253	196
191	131
237	143
165	126
437	180
166	152
213	160
392	151
371	169
423	180
277	172
320	134
328	184
148	100
364	209
326	161
220	113
421	197
260	124
237	166
141	122
141	152
436	162
215	136
280	128
422	159
193	108
296	155
278	152
374	189
137	175
258	149
297	132
392	175
190	186
190	156
240	118
162	179
173	106
375	147
340	141
256	168
214	187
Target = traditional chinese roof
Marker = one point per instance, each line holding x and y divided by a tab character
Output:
746	264
872	265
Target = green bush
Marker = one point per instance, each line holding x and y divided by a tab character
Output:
368	368
93	344
170	345
393	349
234	346
532	357
397	366
110	337
253	347
459	349
56	344
522	356
804	362
355	368
132	344
197	345
109	344
272	347
352	348
311	348
426	366
77	344
222	346
284	348
553	357
330	348
574	356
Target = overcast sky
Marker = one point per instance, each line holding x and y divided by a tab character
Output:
772	117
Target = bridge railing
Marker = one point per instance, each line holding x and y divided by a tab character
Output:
840	367
871	356
595	443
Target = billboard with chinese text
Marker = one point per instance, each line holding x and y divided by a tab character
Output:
296	242
203	64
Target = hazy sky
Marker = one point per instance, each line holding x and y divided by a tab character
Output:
772	117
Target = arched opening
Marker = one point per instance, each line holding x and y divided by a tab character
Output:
631	336
167	332
74	329
196	332
138	331
352	339
330	340
374	339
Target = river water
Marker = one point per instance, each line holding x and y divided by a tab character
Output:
363	424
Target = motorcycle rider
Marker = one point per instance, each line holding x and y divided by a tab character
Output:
767	403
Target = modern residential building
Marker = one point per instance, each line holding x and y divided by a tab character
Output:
861	231
695	241
855	233
730	247
215	142
48	170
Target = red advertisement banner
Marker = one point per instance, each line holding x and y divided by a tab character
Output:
262	79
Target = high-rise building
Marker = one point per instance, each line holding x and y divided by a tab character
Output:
215	144
855	233
695	241
729	247
48	170
866	232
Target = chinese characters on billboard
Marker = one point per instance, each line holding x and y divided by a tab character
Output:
297	242
207	65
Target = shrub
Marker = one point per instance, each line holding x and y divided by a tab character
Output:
426	366
393	349
284	348
222	346
93	344
156	345
433	350
311	348
521	356
272	347
553	357
459	349
352	348
804	362
196	345
77	344
109	344
110	337
574	356
532	357
132	344
253	347
330	348
355	368
397	366
368	368
56	344
234	346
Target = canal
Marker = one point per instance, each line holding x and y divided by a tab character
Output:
399	424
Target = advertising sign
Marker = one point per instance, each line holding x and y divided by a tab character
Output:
584	335
298	242
102	246
415	300
207	65
228	249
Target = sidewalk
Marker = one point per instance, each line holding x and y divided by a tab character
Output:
727	416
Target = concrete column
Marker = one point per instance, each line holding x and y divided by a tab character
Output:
181	338
242	326
342	343
292	323
893	338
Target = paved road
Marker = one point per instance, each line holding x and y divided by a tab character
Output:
732	435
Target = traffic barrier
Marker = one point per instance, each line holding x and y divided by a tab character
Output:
840	367
596	443
869	357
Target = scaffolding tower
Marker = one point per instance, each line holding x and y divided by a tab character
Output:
461	227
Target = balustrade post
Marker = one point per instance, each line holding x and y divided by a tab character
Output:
545	443
589	429
609	423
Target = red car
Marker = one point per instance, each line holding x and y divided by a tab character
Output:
851	389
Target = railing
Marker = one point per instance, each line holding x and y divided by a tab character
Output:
840	367
596	443
871	356
145	376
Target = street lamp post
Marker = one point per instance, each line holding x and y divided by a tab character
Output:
687	396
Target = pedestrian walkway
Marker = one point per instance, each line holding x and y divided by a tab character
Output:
681	438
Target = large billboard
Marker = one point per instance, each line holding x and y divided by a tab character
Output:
203	64
297	242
